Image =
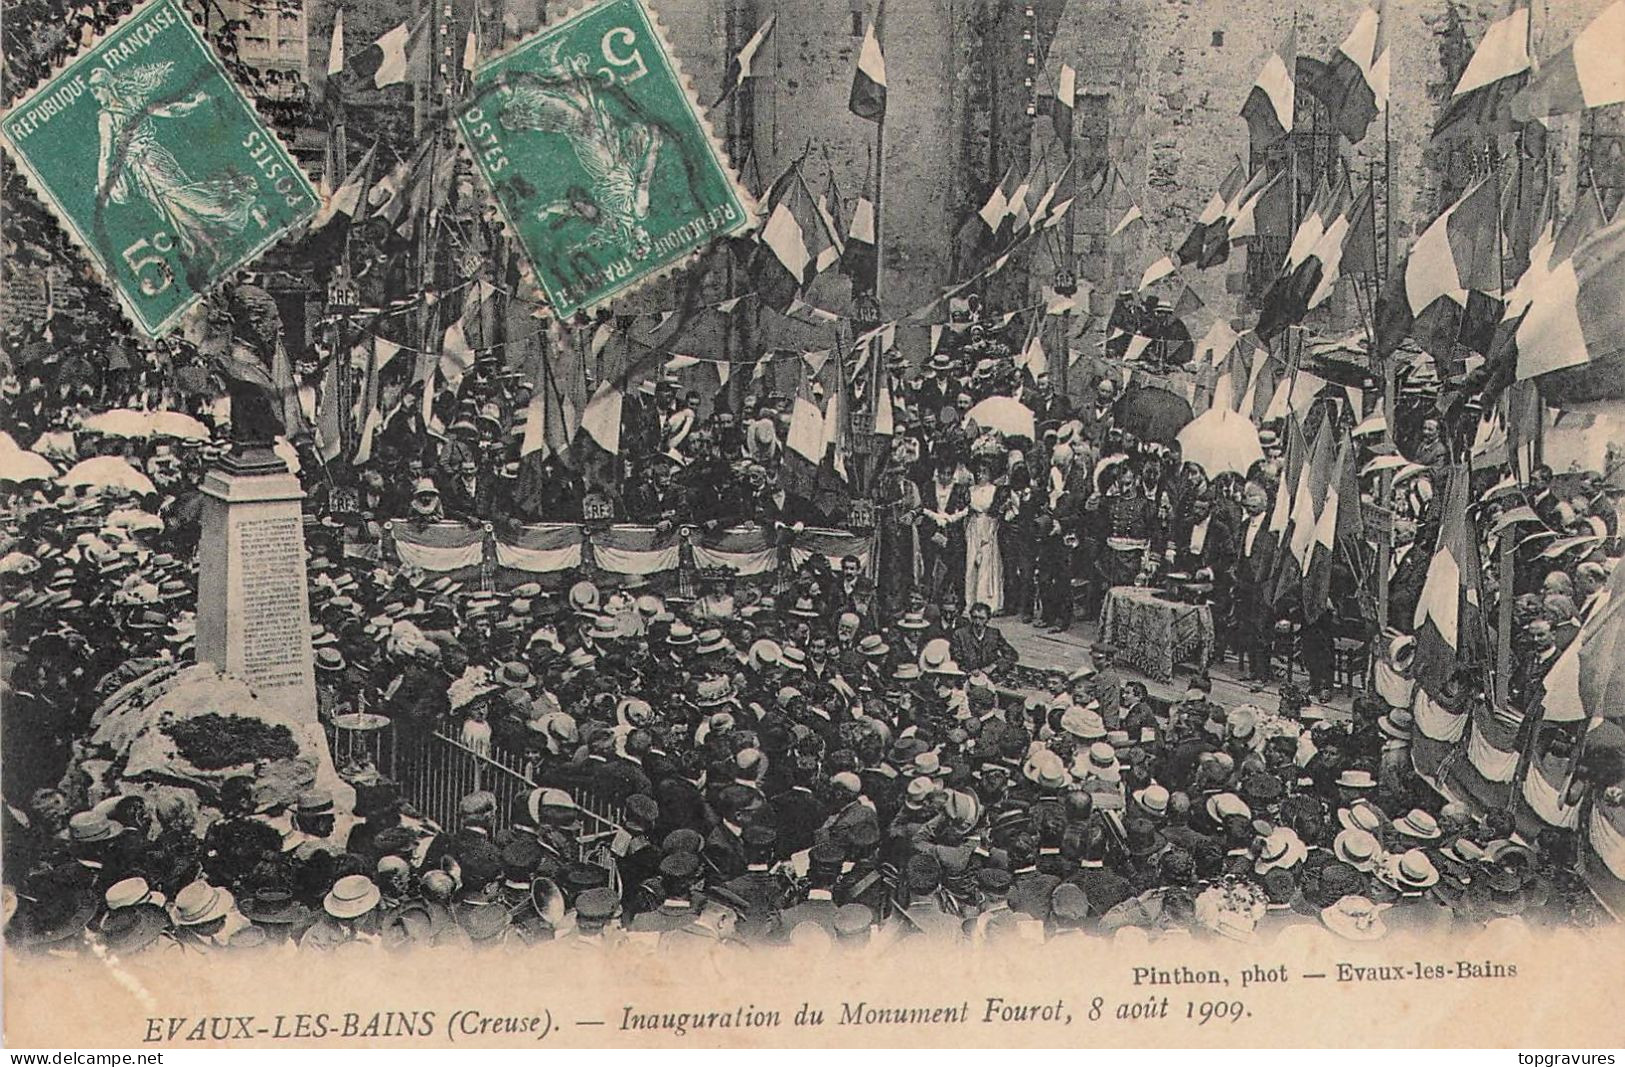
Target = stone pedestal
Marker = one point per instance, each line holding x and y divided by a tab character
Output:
253	615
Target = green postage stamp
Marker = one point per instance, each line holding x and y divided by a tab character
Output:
600	160
157	163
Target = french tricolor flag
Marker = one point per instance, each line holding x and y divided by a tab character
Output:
868	99
1268	108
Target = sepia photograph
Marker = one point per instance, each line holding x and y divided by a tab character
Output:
797	523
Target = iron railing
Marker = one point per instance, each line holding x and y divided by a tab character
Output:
435	771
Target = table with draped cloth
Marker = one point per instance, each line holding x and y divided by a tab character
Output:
1151	634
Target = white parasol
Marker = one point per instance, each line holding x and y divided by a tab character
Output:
127	422
120	422
134	519
19	466
1005	414
107	472
178	424
1221	440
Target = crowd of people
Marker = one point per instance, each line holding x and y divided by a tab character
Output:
831	757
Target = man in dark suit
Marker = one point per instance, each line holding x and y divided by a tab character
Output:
682	804
757	889
776	504
797	813
977	646
1253	615
1099	416
725	845
1063	492
944	506
819	907
1104	887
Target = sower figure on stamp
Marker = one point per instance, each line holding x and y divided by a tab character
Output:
132	160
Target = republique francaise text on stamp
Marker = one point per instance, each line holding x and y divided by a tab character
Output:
157	163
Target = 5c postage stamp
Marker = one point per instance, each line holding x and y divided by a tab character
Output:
600	160
157	163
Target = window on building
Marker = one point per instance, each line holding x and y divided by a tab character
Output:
1218	38
1311	148
857	23
1602	157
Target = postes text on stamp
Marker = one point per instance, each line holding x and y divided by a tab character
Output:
598	156
157	163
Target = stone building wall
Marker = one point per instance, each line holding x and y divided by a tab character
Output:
1175	73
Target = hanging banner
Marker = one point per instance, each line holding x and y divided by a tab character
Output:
832	544
635	550
745	551
438	547
541	549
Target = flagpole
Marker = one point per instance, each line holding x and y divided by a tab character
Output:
1503	637
1062	369
1385	481
880	165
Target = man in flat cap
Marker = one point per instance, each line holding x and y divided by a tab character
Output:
818	906
758	892
680	875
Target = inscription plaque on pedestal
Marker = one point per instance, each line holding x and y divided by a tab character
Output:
253	616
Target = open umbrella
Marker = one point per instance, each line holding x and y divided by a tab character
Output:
127	422
120	422
178	424
1221	440
1152	414
1005	414
134	519
107	472
19	466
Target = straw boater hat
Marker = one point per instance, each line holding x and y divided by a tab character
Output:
93	827
937	658
1044	769
200	903
1221	806
1358	849
1362	815
273	907
1396	723
1355	778
713	691
1420	825
131	892
351	896
1282	848
1409	872
1153	798
128	930
584	598
764	652
913	620
710	642
1354	918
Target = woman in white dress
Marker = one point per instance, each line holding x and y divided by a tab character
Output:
984	564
